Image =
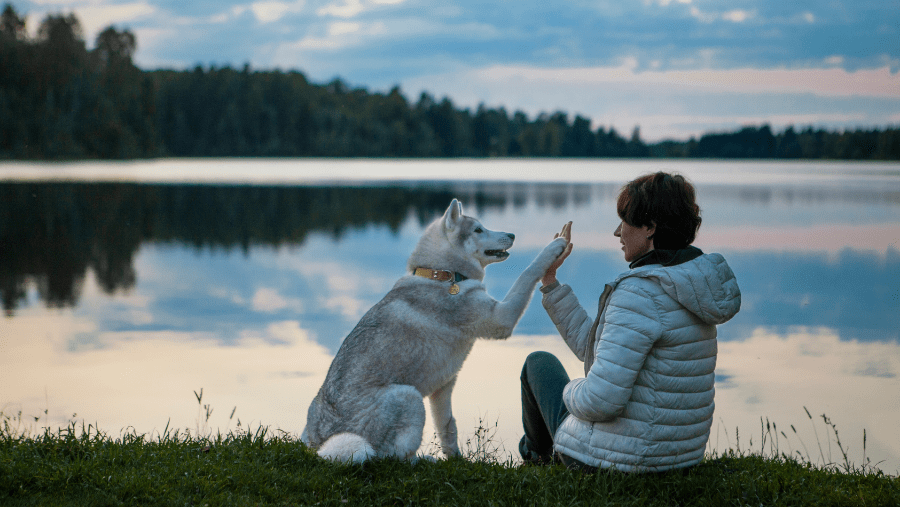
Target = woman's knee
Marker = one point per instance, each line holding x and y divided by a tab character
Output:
539	361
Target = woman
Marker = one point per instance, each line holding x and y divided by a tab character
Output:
646	401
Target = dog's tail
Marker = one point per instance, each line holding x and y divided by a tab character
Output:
347	447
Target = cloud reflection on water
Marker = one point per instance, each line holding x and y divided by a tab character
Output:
143	380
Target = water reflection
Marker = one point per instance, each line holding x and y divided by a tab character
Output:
60	230
144	380
773	375
124	298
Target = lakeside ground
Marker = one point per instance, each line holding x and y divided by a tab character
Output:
81	466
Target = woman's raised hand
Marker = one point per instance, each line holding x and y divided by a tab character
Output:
566	233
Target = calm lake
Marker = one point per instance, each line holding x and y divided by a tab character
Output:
129	287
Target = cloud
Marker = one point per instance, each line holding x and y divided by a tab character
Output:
269	301
124	308
342	28
60	3
880	82
93	16
267	12
678	103
143	379
353	8
733	16
338	35
666	3
349	9
738	15
832	239
799	366
343	285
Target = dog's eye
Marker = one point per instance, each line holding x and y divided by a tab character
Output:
478	230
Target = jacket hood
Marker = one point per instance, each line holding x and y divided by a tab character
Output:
706	286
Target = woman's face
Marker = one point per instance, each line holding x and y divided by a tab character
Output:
635	240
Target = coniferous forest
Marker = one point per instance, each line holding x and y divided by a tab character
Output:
60	100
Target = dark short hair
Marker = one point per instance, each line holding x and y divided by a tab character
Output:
666	200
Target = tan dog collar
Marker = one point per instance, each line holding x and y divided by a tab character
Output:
441	275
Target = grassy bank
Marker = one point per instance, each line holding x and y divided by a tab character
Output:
80	466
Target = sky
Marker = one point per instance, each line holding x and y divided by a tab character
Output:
674	68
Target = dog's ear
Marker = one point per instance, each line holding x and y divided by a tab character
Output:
452	215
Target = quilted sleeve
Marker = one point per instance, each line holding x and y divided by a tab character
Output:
631	327
570	318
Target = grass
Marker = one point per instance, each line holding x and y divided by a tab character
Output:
84	466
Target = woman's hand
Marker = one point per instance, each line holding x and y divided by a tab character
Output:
566	233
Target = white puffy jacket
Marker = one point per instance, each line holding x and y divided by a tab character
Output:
646	401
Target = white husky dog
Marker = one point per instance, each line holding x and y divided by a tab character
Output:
413	342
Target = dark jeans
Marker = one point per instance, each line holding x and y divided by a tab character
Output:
543	380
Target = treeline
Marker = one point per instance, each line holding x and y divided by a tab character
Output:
761	142
59	100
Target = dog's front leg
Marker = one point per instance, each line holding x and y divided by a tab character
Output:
506	314
444	422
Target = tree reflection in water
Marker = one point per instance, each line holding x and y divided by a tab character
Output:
52	233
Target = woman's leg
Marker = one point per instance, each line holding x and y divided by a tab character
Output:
543	380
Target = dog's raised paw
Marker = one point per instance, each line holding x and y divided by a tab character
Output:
554	249
560	244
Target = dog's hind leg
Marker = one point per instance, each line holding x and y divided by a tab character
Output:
444	422
396	427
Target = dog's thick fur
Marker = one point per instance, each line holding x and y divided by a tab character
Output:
413	342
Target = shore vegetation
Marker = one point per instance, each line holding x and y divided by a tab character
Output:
81	465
